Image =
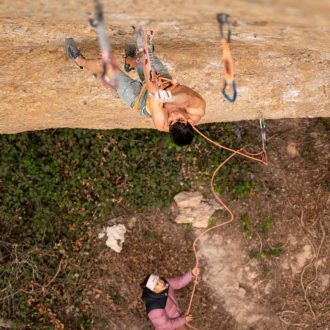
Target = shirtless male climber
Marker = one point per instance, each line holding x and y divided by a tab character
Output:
173	108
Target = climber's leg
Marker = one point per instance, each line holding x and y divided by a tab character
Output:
93	65
127	88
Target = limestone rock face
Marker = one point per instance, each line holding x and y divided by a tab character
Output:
280	50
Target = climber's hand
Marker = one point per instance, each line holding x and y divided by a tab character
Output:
189	318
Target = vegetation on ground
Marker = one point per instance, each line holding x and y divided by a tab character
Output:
259	229
56	185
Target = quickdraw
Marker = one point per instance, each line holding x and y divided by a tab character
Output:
227	58
107	57
149	63
263	137
154	81
145	45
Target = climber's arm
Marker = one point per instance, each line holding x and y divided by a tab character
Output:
158	114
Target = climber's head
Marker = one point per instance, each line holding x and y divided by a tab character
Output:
154	283
180	129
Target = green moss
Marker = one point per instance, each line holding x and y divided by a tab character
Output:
326	186
115	296
264	254
148	236
241	189
187	225
245	224
264	225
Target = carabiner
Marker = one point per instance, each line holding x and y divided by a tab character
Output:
226	96
263	132
223	20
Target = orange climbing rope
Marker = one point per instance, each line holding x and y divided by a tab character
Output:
243	153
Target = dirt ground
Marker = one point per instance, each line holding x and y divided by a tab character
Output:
269	269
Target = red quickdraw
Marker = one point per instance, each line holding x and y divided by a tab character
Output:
107	58
227	58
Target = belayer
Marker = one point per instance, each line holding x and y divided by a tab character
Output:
173	108
161	305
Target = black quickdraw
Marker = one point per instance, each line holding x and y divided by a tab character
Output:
223	21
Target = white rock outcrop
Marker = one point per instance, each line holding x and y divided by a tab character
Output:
193	209
115	237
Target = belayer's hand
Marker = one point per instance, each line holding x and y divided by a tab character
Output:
195	271
188	318
163	96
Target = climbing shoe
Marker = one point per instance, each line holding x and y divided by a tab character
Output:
71	49
130	57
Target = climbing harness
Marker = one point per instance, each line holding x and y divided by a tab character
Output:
260	157
138	99
227	58
107	57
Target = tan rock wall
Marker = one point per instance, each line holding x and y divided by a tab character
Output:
281	52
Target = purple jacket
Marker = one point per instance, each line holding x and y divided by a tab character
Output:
170	317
